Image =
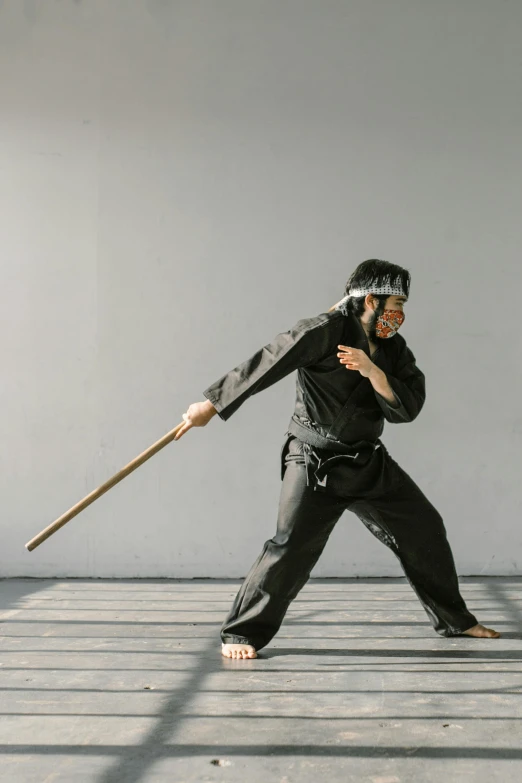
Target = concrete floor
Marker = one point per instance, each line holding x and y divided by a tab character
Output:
122	681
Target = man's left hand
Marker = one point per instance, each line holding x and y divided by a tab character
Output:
354	359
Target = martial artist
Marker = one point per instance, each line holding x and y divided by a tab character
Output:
354	372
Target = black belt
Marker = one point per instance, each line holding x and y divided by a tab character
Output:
314	438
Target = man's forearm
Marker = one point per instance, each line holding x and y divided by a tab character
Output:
380	383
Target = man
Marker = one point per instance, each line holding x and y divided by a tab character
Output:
333	459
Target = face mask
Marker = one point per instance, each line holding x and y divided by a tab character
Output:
389	323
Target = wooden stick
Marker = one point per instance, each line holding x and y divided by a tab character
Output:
97	493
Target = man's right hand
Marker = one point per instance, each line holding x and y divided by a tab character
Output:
198	415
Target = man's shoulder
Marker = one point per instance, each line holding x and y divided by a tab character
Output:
332	321
399	348
400	342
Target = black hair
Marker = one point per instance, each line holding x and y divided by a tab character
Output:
357	304
375	273
378	273
369	274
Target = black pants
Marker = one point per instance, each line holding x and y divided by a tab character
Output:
401	517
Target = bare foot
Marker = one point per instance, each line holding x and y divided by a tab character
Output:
480	632
238	651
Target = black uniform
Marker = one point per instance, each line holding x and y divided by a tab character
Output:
332	460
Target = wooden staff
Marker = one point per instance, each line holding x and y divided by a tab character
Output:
97	493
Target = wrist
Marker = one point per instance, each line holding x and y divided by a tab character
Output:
376	373
210	408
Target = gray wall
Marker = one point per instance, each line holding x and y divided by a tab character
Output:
180	181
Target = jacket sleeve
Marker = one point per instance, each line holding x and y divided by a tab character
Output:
408	385
309	341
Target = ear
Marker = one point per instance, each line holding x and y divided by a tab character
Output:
371	302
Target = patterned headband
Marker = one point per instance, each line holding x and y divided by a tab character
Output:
387	288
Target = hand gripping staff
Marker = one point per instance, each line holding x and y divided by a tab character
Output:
97	493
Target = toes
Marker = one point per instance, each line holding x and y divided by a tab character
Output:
489	633
238	653
481	632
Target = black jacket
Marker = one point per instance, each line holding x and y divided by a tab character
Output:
335	402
